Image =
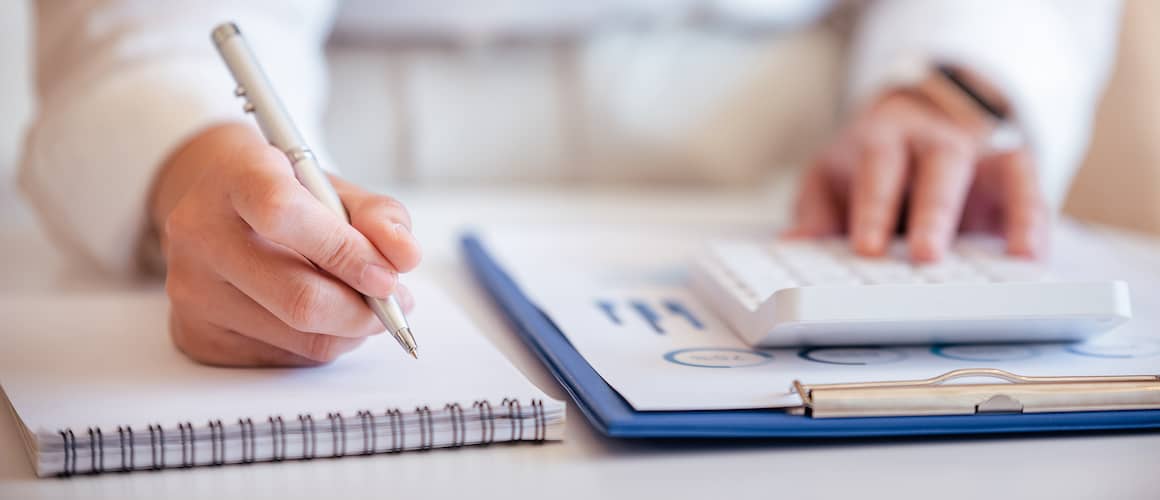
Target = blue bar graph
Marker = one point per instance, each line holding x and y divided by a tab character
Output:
679	309
648	314
609	310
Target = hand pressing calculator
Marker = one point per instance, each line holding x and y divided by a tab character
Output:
818	293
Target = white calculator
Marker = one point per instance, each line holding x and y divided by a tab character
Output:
819	293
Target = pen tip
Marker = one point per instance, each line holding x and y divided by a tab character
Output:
414	354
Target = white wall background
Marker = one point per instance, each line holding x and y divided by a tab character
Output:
15	96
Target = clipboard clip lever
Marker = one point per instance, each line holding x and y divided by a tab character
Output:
1010	394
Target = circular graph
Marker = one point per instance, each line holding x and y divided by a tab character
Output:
853	356
985	352
718	357
1118	349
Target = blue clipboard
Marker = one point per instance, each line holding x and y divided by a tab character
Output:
613	416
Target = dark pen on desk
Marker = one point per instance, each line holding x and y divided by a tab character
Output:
276	126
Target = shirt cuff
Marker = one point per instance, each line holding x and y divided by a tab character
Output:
90	160
1028	50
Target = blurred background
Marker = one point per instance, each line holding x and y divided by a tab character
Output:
15	92
453	104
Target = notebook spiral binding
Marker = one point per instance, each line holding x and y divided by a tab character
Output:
483	411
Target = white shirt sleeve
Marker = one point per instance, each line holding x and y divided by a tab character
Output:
122	84
1050	58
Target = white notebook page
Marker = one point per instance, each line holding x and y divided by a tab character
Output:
106	361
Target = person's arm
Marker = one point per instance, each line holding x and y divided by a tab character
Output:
1049	59
1043	61
139	134
121	85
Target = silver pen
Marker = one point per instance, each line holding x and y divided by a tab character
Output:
277	127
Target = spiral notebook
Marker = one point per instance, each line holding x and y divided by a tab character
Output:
97	386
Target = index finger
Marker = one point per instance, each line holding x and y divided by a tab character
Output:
941	183
385	222
1025	212
817	212
876	193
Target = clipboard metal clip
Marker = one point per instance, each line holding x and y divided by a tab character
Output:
1012	394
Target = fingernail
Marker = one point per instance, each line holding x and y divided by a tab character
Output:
402	233
923	248
868	242
379	281
1022	247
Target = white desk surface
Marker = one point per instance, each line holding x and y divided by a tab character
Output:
587	465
